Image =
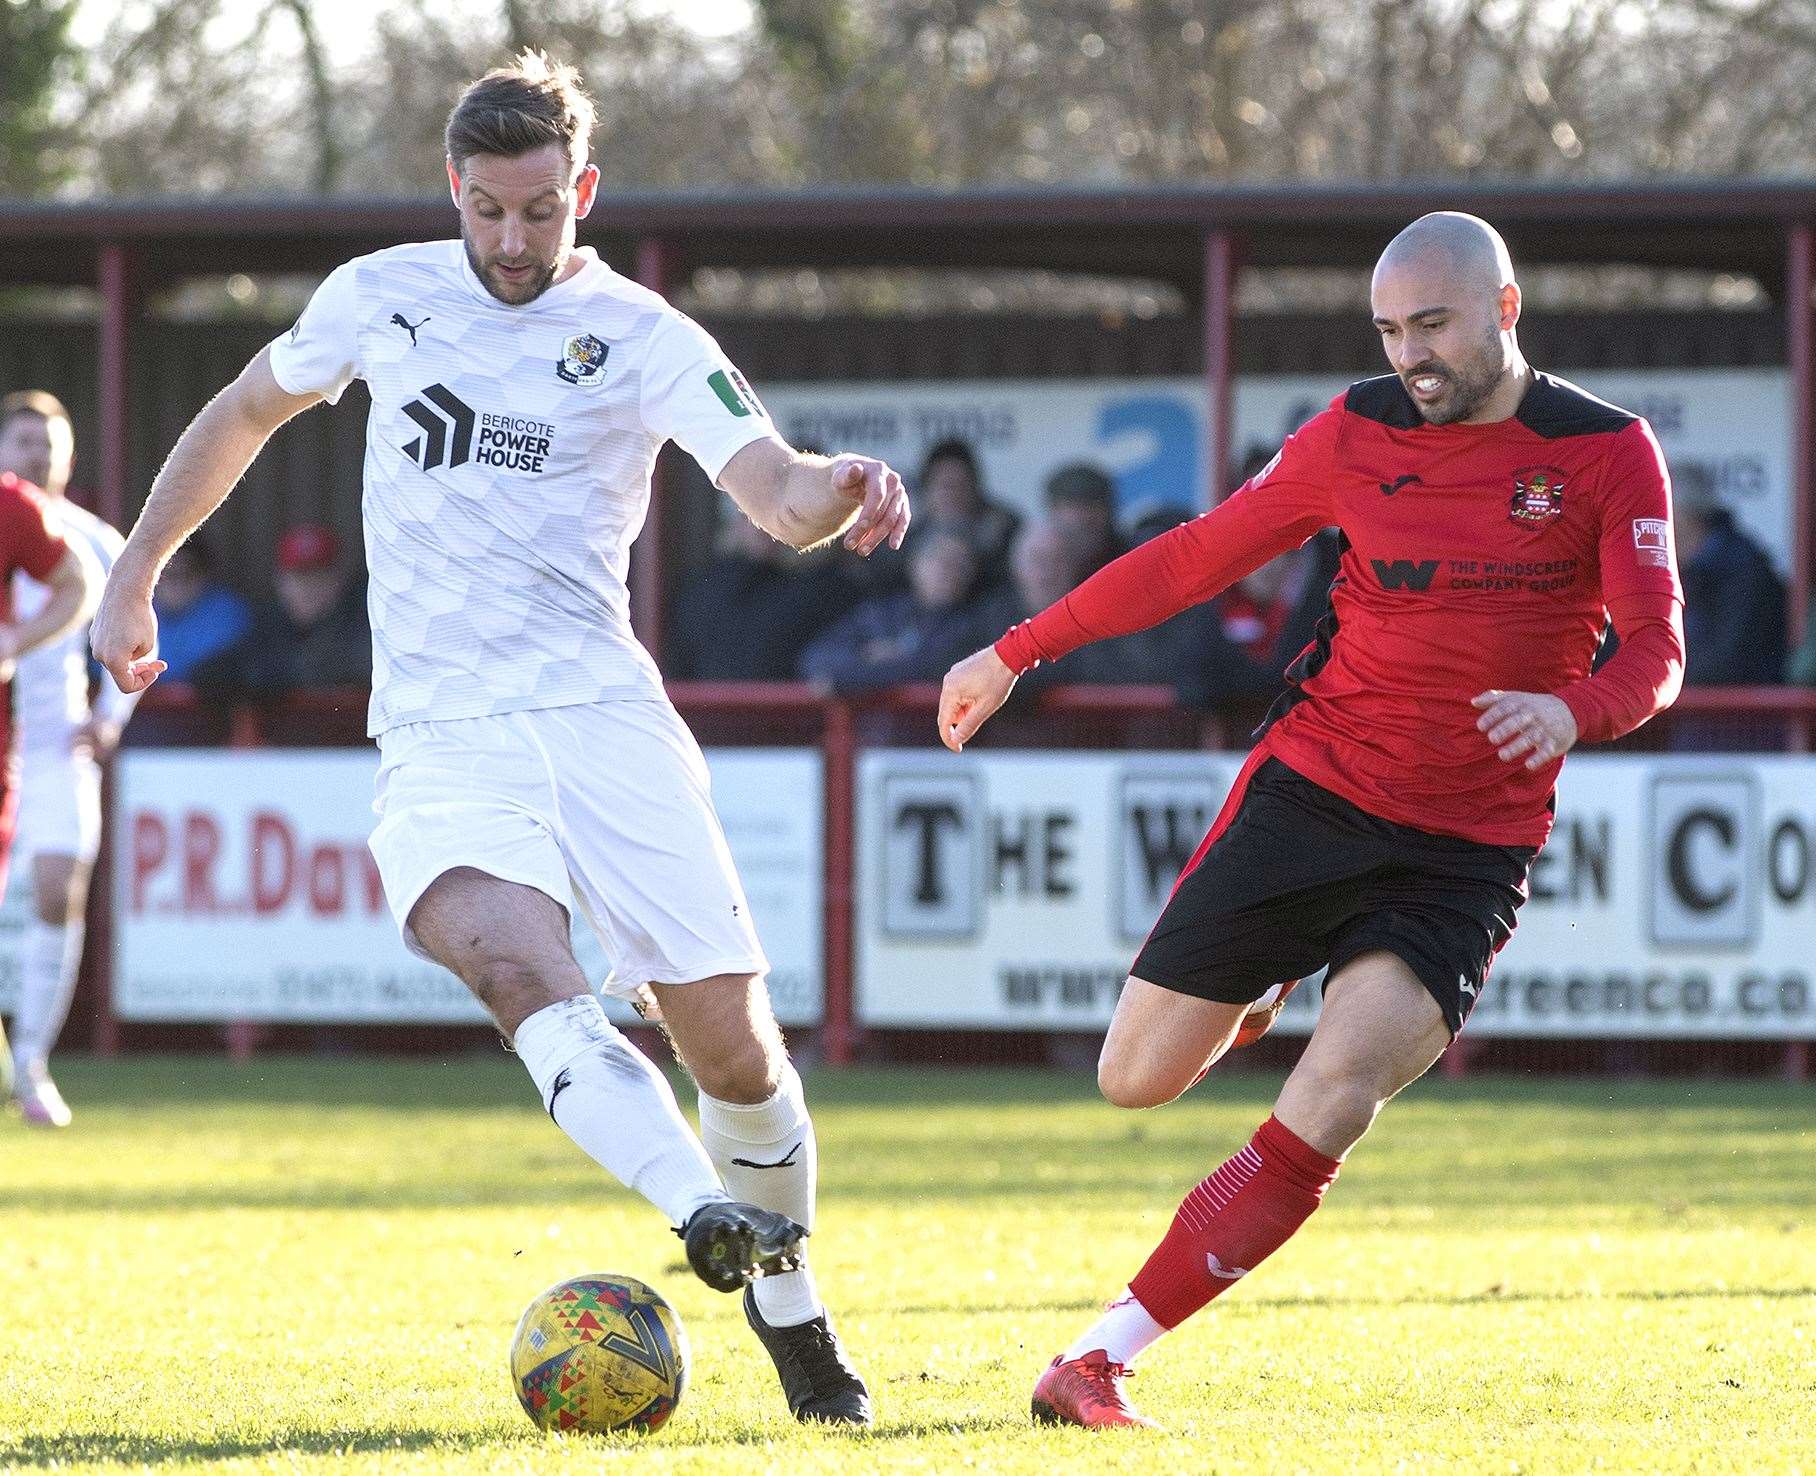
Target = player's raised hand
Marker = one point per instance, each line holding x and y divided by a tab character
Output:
884	512
973	689
1535	724
124	636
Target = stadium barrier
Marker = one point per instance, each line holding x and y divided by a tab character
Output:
1723	957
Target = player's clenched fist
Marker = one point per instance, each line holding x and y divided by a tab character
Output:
124	635
1535	724
973	689
884	512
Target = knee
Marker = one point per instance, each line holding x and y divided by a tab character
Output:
1342	1101
1135	1083
744	1071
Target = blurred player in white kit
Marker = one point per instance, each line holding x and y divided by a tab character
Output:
63	737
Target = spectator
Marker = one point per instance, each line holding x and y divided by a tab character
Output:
951	499
749	614
1045	565
910	637
316	633
1152	517
199	618
1081	500
1734	601
1239	645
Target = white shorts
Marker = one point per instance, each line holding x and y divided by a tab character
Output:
607	804
59	807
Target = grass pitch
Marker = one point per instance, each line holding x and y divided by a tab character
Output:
316	1265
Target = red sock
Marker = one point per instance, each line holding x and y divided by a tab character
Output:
1233	1221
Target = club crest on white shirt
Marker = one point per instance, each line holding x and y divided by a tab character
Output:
583	360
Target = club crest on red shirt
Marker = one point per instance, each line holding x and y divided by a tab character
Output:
1538	494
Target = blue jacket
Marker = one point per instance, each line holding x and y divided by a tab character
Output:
210	624
891	640
1734	612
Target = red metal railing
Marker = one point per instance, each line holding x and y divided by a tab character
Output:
835	723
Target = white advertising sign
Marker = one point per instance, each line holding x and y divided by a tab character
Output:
1148	433
1151	434
1012	890
243	888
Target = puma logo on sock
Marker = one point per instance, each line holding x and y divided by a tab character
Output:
787	1160
562	1083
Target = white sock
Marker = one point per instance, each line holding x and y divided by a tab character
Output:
47	982
765	1153
609	1098
1123	1332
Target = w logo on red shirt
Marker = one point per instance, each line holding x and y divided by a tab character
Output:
1405	573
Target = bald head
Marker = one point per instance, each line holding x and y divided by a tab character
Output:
1448	242
1445	304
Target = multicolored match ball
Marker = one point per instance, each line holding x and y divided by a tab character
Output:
597	1354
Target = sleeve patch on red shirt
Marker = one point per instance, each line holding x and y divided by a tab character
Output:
1652	537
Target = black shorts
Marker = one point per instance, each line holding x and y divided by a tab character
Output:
1293	878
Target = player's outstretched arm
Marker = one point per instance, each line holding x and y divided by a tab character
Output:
75	587
972	691
806	500
206	462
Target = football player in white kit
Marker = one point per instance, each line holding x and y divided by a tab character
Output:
62	738
520	392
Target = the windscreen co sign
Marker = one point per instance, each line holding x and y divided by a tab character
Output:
1677	897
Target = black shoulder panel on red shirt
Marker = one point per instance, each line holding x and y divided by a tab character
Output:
1556	408
1384	399
1552	407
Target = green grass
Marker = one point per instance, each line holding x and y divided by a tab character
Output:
315	1265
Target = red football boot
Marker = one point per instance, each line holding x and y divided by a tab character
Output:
1085	1391
1262	1014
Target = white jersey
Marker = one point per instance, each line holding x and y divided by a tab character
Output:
50	686
508	459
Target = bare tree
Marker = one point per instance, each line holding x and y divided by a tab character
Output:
200	95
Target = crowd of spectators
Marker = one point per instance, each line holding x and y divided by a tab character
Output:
313	632
971	568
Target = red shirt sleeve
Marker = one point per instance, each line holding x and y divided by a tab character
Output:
1638	552
1642	591
1641	679
1277	509
27	540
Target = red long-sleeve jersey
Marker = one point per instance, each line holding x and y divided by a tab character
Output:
28	541
1475	557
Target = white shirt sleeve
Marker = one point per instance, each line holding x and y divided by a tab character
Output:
320	355
693	395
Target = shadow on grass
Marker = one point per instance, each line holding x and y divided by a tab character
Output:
1466	1299
145	1450
486	1075
141	1450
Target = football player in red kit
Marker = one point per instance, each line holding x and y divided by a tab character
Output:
1386	821
31	544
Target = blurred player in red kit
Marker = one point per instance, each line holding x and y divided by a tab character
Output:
31	544
1385	823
